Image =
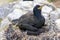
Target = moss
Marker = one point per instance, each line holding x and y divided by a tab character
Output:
0	19
50	0
11	0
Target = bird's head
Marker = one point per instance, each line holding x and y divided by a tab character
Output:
37	7
37	10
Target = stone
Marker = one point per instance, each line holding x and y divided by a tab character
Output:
46	9
16	14
57	24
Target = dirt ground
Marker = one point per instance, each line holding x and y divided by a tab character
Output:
57	3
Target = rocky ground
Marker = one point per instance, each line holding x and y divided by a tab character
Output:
15	10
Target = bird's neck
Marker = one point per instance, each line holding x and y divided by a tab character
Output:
38	15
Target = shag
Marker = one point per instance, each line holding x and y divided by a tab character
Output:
32	21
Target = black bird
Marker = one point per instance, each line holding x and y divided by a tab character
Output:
32	21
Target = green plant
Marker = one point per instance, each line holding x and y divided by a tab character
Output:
0	19
10	0
50	0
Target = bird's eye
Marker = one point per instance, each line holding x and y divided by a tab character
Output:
40	7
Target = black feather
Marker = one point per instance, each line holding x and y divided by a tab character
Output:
32	21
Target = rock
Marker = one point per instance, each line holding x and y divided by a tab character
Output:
57	24
20	9
55	14
16	6
16	14
46	9
26	5
39	1
4	23
58	10
46	12
5	10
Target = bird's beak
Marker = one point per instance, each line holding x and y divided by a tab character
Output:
40	8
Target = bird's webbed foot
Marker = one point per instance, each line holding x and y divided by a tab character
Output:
28	27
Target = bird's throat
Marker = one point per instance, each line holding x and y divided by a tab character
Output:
37	15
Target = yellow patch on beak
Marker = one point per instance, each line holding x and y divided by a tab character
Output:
40	7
